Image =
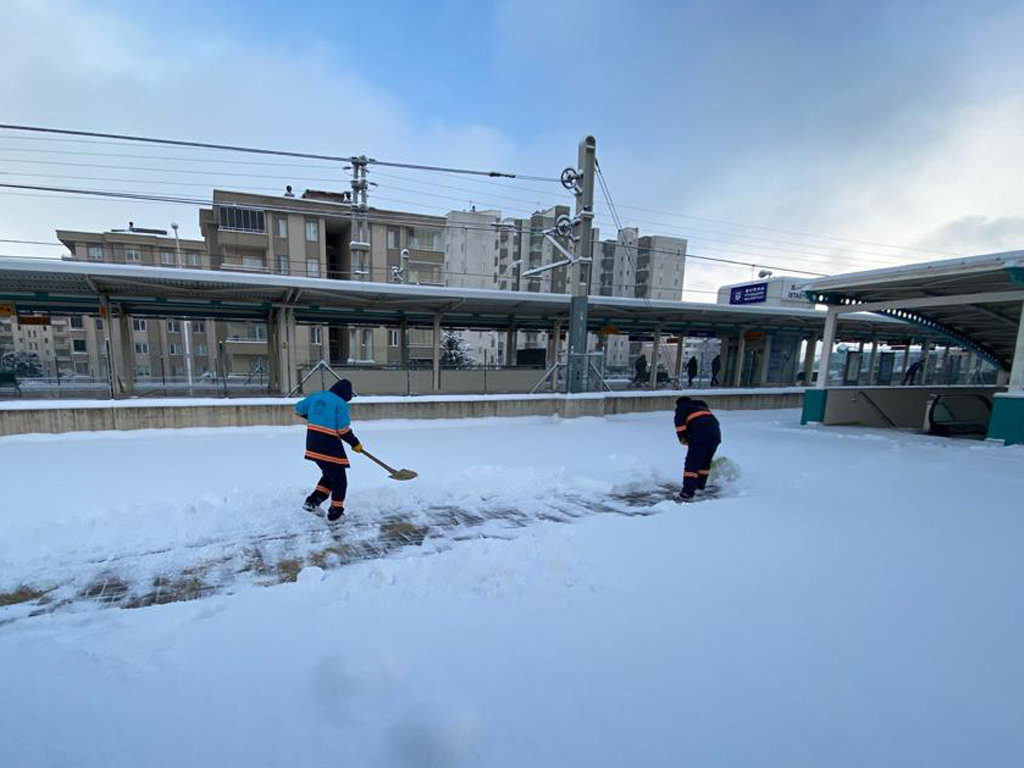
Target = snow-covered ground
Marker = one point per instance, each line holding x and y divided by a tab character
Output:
853	601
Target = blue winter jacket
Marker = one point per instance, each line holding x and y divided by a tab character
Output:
329	425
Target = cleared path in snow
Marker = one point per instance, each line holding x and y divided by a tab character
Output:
178	515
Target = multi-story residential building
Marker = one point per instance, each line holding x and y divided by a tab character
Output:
311	236
159	346
660	267
643	267
50	345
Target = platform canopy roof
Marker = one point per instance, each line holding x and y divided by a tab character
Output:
974	301
67	287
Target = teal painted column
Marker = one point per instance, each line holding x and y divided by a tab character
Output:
1007	422
814	405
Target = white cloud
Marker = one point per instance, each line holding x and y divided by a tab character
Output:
66	65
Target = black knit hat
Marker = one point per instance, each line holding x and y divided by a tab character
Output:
343	389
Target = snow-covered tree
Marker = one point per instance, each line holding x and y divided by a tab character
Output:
455	350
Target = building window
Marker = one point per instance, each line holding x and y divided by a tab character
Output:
99	323
132	255
282	226
261	331
95	253
138	325
200	350
195	259
167	258
392	238
282	263
392	338
198	326
78	345
361	345
173	326
172	348
242	219
76	322
315	335
313	268
425	238
141	348
142	370
312	231
252	262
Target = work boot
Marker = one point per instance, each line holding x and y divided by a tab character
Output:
311	504
335	514
685	495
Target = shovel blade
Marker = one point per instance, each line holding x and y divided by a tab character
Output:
403	474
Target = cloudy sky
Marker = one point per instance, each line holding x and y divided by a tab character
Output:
804	135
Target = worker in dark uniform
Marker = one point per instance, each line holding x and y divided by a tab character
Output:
329	428
910	377
640	370
716	366
698	429
691	369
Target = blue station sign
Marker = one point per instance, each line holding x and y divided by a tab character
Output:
754	293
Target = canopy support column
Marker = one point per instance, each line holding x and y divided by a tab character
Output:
655	354
741	350
437	353
827	340
812	345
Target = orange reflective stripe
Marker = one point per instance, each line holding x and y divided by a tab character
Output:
695	414
325	430
338	503
344	431
690	474
681	428
704	471
322	489
325	457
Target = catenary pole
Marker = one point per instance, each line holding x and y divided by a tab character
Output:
579	289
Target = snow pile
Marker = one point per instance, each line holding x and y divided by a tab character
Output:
853	603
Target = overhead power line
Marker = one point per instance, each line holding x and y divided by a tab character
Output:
343	212
690	231
260	151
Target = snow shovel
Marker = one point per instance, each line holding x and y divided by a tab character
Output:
396	474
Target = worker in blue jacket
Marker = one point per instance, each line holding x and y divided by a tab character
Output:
697	429
329	429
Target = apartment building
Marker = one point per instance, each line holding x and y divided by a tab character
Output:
311	236
642	267
159	346
50	345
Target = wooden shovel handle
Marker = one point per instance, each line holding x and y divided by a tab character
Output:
377	461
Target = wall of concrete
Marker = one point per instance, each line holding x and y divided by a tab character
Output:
266	412
905	407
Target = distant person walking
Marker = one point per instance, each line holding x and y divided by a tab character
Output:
716	367
691	370
641	373
910	377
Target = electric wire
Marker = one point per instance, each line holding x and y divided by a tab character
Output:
142	141
391	217
260	151
691	233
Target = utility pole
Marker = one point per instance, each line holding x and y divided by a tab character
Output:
359	244
584	190
187	325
